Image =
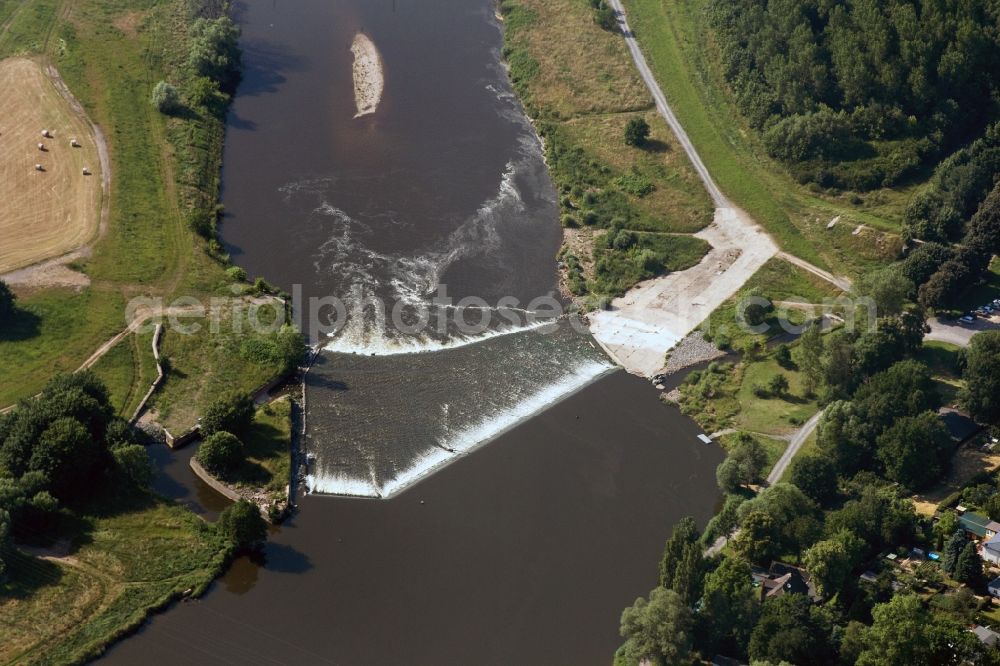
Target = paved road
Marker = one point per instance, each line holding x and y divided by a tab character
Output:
798	439
958	334
654	316
668	114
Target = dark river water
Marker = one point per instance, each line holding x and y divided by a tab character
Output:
527	486
523	553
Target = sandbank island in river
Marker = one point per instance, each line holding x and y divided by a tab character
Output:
368	77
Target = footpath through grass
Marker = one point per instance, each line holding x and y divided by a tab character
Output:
105	572
680	50
128	370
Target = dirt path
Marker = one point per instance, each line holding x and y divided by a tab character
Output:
141	318
655	315
841	283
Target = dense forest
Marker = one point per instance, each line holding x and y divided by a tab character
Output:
861	94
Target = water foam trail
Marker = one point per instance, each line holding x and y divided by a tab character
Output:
380	344
463	441
468	438
341	484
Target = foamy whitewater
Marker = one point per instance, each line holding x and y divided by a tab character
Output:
412	378
458	443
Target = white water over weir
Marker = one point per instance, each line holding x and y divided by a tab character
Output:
366	444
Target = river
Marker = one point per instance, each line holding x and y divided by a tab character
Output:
527	486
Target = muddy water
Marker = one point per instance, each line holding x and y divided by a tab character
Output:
522	553
531	486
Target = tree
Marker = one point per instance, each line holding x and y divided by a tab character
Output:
952	550
132	461
778	385
682	567
981	395
783	356
604	16
232	413
165	98
8	302
220	453
915	450
4	543
828	562
657	630
878	517
685	532
905	632
636	131
243	525
924	261
794	516
889	288
787	631
744	465
215	51
67	455
944	527
816	476
690	574
729	606
945	285
756	542
809	356
968	565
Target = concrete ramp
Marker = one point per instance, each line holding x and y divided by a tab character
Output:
656	314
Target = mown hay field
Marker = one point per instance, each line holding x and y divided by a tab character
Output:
43	214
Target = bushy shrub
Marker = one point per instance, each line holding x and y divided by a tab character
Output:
819	135
636	131
220	453
243	525
230	413
165	98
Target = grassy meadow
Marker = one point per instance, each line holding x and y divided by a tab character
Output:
581	92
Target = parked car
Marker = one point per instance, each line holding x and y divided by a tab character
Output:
967	319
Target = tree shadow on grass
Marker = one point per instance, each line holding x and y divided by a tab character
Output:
23	325
656	146
28	574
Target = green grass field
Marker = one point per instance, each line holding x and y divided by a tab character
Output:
680	50
128	370
724	396
119	565
777	280
132	554
581	92
110	54
204	365
268	445
56	330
